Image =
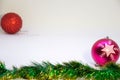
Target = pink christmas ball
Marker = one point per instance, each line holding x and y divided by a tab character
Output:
104	51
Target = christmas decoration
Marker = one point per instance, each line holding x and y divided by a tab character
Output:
11	23
72	70
104	51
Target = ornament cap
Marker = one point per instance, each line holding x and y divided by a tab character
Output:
107	37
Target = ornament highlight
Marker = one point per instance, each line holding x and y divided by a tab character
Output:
11	23
104	51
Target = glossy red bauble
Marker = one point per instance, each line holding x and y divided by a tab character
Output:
104	51
11	23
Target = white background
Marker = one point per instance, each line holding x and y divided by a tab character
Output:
58	30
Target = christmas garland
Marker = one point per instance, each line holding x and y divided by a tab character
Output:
72	70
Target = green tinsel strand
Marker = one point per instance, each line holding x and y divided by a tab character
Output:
77	69
110	71
26	72
3	70
66	71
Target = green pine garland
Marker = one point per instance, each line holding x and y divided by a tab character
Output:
72	70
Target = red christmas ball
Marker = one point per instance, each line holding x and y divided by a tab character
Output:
11	23
104	51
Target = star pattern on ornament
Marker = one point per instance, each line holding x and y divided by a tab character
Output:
108	50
